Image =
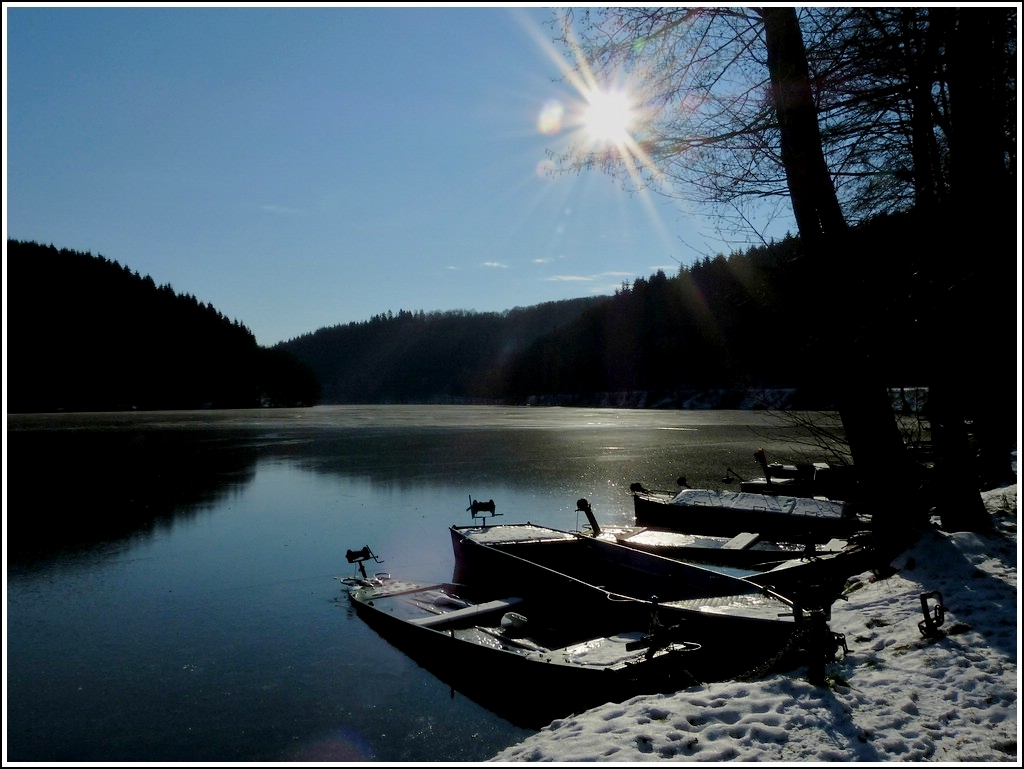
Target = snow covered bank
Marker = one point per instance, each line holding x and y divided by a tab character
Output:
899	695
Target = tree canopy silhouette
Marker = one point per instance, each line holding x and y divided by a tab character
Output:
844	111
87	334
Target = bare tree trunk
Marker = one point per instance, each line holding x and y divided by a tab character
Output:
815	205
922	67
978	295
868	418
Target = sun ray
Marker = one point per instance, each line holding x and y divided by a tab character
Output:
607	114
568	116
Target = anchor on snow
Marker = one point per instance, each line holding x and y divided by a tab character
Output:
929	627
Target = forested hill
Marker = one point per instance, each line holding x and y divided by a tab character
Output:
721	332
715	330
86	334
418	357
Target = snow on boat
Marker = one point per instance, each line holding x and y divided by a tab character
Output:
775	517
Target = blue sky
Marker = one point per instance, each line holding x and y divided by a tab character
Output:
304	167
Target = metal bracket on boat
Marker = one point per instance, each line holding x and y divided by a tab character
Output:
663	638
359	556
821	645
660	637
830	641
481	509
583	506
929	627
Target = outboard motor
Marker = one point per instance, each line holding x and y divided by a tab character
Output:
359	556
478	509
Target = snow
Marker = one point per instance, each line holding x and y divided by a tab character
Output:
898	695
767	503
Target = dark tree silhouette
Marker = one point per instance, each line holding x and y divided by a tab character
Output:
86	334
884	97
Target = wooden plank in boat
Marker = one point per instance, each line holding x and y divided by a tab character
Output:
469	611
742	541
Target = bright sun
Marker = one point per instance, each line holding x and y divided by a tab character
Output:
609	117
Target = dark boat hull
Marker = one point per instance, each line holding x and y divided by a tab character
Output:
594	582
813	580
528	688
835	482
726	514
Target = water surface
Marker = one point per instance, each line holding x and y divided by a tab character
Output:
172	577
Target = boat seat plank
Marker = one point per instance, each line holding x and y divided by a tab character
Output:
742	541
488	607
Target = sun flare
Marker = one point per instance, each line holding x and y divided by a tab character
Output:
609	117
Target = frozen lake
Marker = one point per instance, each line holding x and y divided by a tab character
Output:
171	577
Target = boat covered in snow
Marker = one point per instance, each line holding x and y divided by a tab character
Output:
775	517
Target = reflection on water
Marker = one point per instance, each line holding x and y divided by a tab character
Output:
172	591
80	488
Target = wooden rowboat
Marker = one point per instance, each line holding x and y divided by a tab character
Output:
780	518
740	625
520	658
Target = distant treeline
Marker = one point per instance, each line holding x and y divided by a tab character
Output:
418	357
85	333
731	324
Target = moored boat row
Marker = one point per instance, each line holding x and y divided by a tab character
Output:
601	615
